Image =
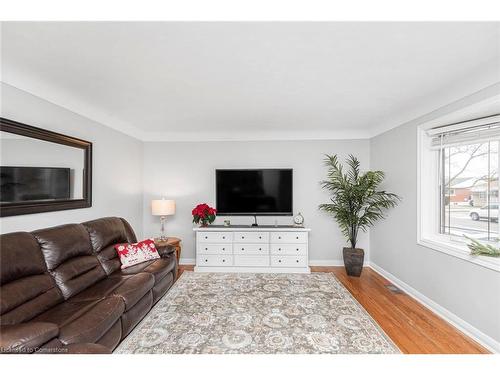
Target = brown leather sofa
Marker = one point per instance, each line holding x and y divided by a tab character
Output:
62	289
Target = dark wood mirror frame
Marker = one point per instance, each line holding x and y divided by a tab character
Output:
23	208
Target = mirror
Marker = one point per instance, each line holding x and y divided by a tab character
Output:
42	171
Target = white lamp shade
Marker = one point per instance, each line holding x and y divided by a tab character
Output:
162	207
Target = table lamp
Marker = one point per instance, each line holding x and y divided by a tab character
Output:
162	208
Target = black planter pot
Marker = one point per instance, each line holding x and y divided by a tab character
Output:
353	261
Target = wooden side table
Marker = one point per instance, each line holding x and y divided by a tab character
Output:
173	241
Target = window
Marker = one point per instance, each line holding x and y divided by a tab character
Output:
459	187
474	168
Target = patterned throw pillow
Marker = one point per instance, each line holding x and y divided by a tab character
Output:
134	253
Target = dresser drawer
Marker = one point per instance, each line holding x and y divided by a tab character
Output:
251	237
250	249
289	237
214	260
289	249
214	237
251	261
288	261
210	248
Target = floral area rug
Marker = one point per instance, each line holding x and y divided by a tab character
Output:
258	314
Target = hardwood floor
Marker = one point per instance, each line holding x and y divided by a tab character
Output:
413	328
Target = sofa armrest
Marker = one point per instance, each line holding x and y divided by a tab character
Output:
165	250
26	337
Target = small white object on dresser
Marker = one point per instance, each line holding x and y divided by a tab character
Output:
252	249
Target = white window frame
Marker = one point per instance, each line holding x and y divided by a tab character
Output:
428	198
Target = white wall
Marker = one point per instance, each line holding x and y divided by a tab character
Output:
117	164
469	291
185	171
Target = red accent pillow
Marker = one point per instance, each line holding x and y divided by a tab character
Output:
131	254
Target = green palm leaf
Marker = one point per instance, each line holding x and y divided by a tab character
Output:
356	203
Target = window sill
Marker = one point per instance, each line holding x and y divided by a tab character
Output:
459	251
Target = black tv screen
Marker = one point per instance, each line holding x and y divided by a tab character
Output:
254	191
18	184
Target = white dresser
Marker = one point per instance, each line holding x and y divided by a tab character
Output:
252	249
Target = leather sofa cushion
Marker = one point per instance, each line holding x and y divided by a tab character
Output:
77	274
108	257
26	288
104	234
162	286
19	257
84	321
65	312
63	243
134	288
91	326
130	288
133	316
69	257
106	231
159	268
23	299
99	290
26	337
113	336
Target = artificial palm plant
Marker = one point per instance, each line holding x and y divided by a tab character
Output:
356	203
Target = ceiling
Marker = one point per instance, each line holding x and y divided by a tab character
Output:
250	80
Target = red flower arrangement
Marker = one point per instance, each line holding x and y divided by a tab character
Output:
203	214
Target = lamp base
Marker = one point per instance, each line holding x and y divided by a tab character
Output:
162	236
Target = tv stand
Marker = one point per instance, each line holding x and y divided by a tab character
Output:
275	249
255	221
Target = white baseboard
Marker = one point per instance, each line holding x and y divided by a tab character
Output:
187	261
326	262
471	331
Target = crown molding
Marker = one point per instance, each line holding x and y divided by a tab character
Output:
212	136
67	100
452	111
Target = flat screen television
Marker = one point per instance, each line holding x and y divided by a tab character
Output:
254	192
19	184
